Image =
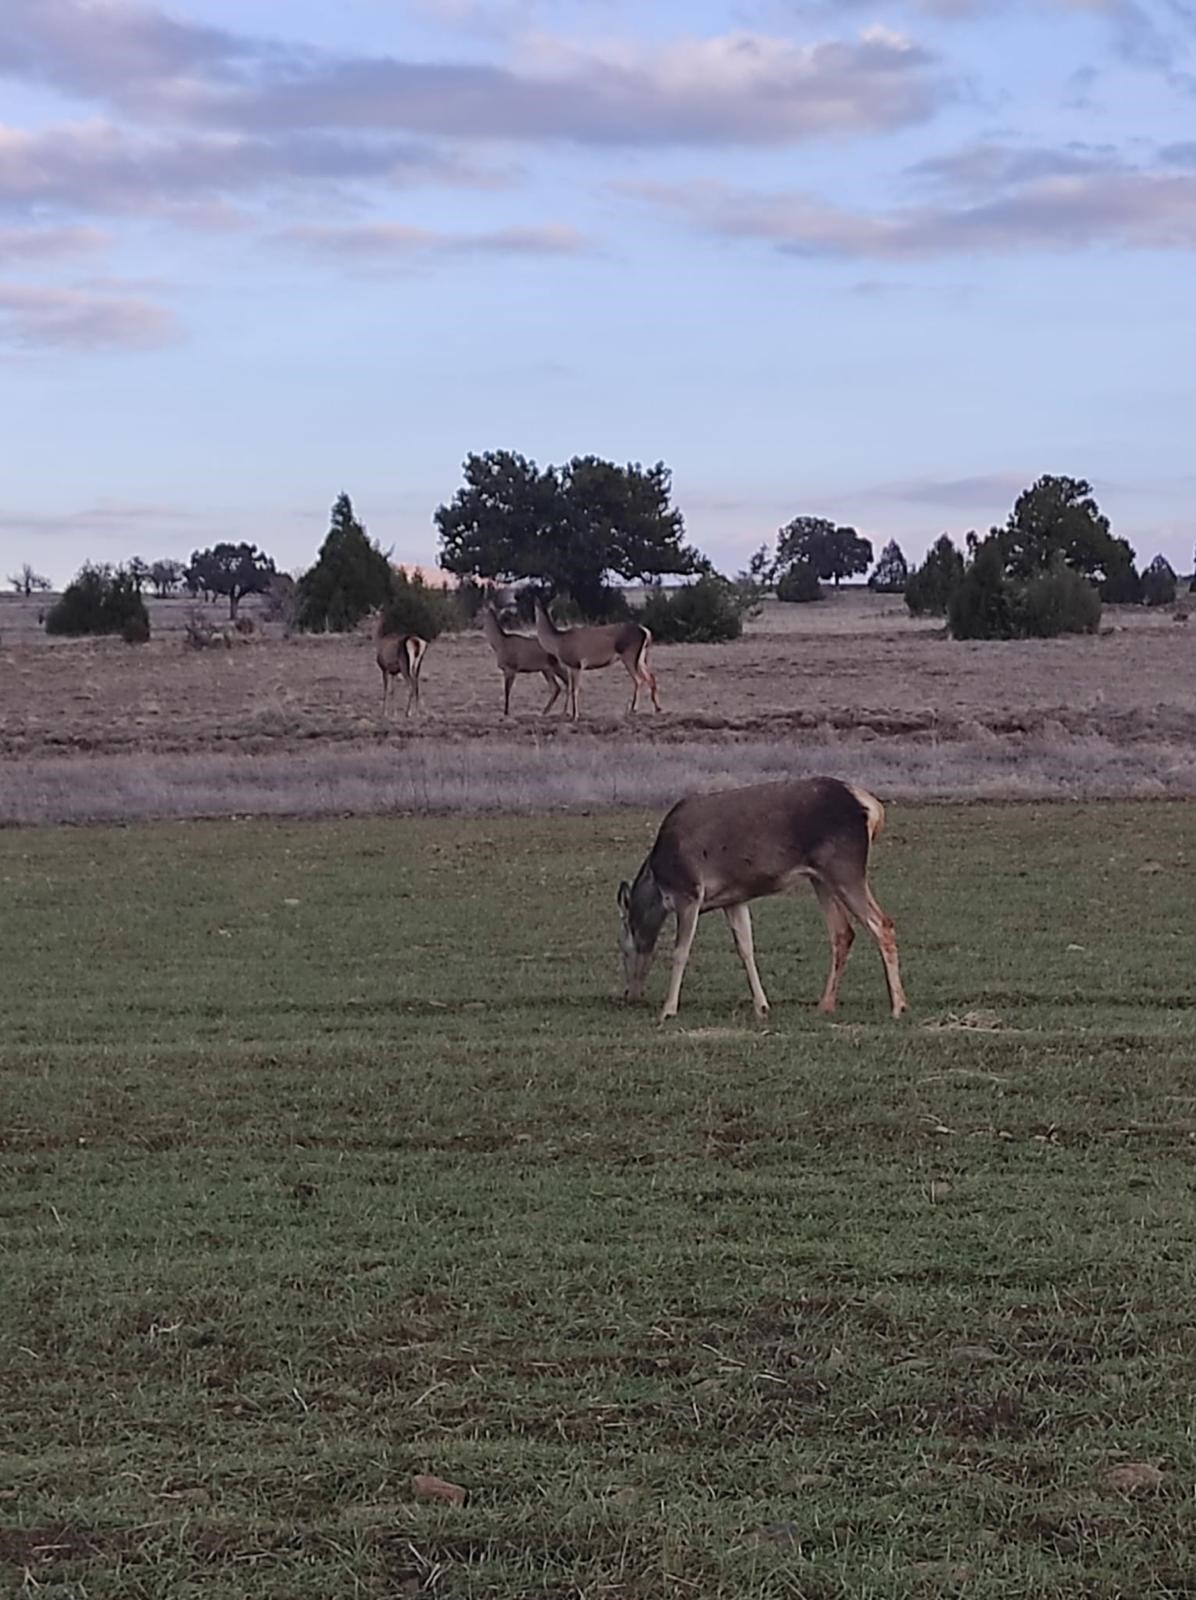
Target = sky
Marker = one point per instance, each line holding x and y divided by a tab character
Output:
880	260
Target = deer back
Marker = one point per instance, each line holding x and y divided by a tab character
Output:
742	844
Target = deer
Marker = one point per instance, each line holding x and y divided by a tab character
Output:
400	655
516	653
596	645
717	852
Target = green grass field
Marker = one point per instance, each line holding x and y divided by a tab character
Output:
329	1158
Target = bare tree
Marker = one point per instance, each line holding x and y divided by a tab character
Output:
28	582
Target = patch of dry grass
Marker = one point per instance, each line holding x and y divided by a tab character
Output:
578	773
95	730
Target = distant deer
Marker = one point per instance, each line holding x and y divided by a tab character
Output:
596	645
715	852
516	653
400	655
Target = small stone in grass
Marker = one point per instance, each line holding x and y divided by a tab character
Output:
1133	1477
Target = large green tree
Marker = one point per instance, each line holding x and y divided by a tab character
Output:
1060	516
233	570
569	528
350	577
833	552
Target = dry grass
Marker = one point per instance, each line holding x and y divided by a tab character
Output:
292	726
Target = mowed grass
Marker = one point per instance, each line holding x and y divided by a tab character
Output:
329	1159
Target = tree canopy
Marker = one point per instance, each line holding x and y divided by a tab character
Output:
234	570
931	585
1060	516
892	571
833	552
350	577
568	528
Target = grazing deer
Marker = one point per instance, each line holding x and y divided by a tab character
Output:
715	852
400	655
517	653
596	645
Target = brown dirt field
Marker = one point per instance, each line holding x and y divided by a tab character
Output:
853	680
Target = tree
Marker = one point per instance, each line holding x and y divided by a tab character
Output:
992	602
1159	582
100	600
234	570
350	578
166	576
1059	516
892	571
931	585
139	571
28	582
832	551
1192	584
567	528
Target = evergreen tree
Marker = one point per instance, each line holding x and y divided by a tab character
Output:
350	578
892	571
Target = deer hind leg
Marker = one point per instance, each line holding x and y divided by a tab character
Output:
687	924
842	936
574	682
412	676
860	901
740	921
554	683
508	678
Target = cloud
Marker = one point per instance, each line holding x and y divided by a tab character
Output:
387	243
1111	206
78	319
104	516
742	87
98	168
987	488
43	244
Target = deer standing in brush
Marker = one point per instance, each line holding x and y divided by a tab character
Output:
596	645
400	655
516	653
716	852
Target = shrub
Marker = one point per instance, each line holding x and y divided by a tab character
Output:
281	603
415	607
930	586
1122	586
1059	601
707	611
989	604
1158	582
982	603
136	629
800	584
101	599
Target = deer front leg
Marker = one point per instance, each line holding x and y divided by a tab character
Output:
687	925
508	678
740	920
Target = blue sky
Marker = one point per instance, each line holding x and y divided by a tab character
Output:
882	260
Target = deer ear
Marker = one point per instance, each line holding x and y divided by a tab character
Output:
624	896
